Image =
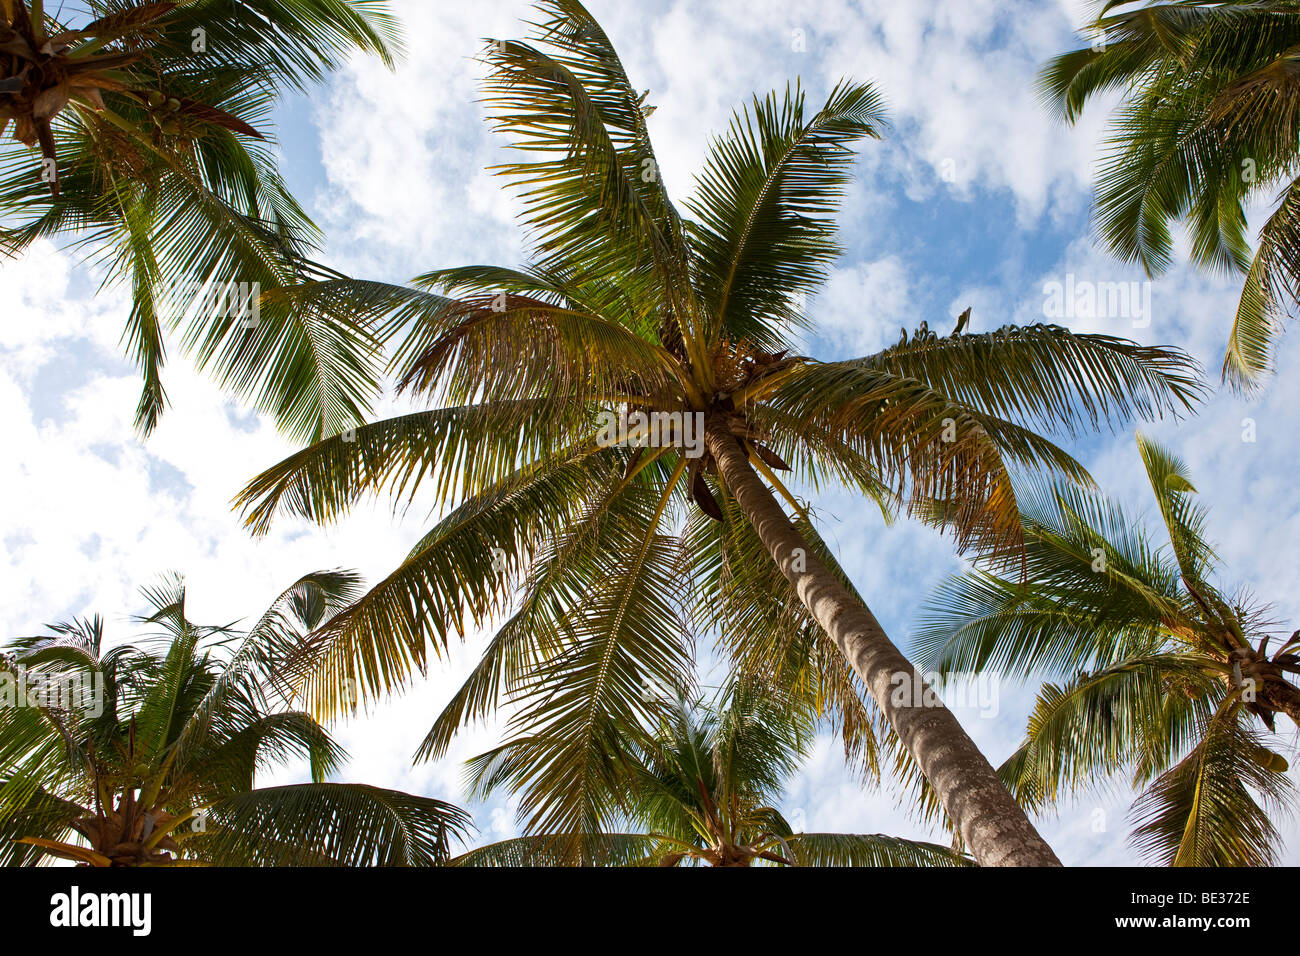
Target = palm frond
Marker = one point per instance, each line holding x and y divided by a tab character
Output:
1047	376
1141	713
1216	807
764	232
1209	112
457	577
1272	281
610	849
579	705
329	824
870	849
1184	519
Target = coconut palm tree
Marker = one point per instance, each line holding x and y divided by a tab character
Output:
1208	120
141	135
149	754
702	786
1165	677
606	426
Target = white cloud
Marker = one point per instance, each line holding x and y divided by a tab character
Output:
863	308
404	151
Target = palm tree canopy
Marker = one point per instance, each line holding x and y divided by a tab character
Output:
702	786
1209	119
598	554
154	155
149	752
1163	674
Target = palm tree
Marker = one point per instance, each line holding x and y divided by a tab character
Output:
150	755
684	330
703	787
1164	674
1208	120
140	134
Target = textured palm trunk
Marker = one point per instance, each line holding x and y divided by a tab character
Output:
1274	694
993	826
1279	695
1286	700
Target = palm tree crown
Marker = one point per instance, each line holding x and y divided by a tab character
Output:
1165	675
151	121
156	765
1210	119
703	785
608	424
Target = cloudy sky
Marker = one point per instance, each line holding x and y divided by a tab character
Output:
976	198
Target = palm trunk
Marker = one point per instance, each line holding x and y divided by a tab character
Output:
1286	700
993	826
1280	695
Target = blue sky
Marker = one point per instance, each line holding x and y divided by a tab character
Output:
975	198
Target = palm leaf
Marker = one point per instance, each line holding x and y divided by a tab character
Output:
869	849
763	232
1212	809
329	824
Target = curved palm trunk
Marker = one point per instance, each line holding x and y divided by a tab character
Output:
993	825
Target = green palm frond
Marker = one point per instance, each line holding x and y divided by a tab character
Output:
167	179
1208	120
764	232
294	43
1272	280
1048	377
560	287
329	824
465	450
231	757
577	704
1140	713
37	755
1184	519
980	621
590	182
1163	165
869	849
44	816
560	568
520	348
1213	808
1088	589
757	742
410	317
458	576
610	849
